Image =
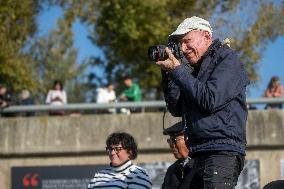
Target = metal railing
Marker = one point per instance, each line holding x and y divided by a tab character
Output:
96	106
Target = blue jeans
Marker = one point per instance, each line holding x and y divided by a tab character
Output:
214	170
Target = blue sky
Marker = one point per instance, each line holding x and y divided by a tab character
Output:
272	62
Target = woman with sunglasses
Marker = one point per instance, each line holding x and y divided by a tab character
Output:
122	173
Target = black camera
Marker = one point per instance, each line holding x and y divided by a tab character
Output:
158	52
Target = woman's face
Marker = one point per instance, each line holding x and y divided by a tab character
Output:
57	87
117	154
276	83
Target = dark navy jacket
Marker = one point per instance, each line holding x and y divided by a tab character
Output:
176	172
212	103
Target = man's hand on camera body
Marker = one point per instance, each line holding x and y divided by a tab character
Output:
171	63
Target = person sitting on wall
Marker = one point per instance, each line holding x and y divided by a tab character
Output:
5	101
274	89
57	97
26	99
106	95
132	93
5	97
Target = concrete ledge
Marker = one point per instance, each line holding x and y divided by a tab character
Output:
87	134
265	128
78	134
39	141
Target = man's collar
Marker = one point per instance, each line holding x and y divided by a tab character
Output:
212	48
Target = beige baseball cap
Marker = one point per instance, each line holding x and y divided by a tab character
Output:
192	23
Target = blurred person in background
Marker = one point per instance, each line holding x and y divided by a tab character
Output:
56	96
132	93
183	166
5	101
122	173
106	95
274	89
26	99
5	97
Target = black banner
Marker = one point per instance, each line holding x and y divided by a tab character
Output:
78	177
53	177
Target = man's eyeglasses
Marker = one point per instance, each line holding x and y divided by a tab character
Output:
173	140
116	149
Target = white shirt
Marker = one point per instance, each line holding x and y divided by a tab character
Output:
56	97
105	96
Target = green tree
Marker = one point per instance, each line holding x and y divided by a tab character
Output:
124	29
17	19
252	29
55	58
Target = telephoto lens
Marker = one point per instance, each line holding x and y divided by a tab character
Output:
157	53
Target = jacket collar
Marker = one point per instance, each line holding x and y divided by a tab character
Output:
212	48
208	55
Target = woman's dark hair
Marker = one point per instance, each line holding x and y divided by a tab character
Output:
126	140
272	81
57	82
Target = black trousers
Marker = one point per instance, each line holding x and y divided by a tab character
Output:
214	170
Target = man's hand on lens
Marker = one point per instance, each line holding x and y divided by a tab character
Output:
169	64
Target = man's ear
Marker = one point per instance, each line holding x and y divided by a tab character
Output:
207	35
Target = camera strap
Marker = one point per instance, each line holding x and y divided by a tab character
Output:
164	115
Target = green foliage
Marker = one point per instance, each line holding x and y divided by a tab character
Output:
251	32
33	62
55	57
123	29
17	20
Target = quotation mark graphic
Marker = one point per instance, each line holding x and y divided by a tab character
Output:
30	180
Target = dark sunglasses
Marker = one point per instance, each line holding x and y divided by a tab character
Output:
116	149
173	140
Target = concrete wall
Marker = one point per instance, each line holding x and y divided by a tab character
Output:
38	141
42	135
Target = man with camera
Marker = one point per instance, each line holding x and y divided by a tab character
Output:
210	99
183	166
